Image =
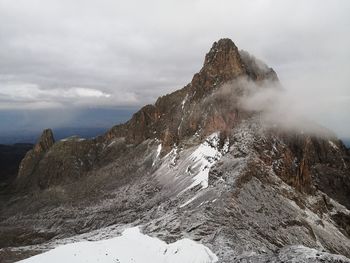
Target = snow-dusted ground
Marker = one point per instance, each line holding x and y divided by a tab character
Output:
204	157
302	254
198	179
131	247
185	169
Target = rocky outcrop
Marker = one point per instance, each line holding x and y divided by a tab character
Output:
180	114
256	69
52	163
32	158
45	142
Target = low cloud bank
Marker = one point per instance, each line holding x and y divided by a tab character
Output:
285	107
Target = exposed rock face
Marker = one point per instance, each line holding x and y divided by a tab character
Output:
45	142
180	114
195	164
51	163
33	157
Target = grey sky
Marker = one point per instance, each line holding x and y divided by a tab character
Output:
59	54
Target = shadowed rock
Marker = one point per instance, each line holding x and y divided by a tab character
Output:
32	158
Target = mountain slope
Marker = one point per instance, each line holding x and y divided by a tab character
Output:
197	164
10	157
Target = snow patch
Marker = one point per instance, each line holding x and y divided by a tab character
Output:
335	147
183	102
73	138
159	149
109	145
185	168
203	158
189	201
131	246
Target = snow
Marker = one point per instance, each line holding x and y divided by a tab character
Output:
185	171
226	147
173	155
183	102
109	145
204	157
178	128
131	246
189	201
159	149
299	253
73	138
335	147
182	118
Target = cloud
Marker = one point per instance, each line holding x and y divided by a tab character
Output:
135	51
31	96
85	93
280	108
285	107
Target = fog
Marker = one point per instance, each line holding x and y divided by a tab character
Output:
280	107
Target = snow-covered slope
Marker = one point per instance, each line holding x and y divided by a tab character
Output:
131	247
186	169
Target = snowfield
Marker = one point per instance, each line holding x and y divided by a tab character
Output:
204	157
131	247
184	169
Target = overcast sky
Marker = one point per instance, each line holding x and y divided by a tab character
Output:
73	54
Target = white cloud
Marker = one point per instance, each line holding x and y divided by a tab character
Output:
85	92
16	95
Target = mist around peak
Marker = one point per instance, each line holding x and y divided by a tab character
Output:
276	106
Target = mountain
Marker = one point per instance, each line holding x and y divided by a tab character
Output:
21	126
197	165
10	158
25	137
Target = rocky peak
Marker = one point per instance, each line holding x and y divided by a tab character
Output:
45	141
186	111
32	158
221	64
223	59
256	69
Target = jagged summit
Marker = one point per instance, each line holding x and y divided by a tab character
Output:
33	157
181	114
223	60
45	141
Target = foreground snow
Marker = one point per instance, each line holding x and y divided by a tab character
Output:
131	246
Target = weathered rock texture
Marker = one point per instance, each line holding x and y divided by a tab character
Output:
33	157
180	114
195	164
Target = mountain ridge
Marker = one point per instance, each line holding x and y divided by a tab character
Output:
195	164
222	63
